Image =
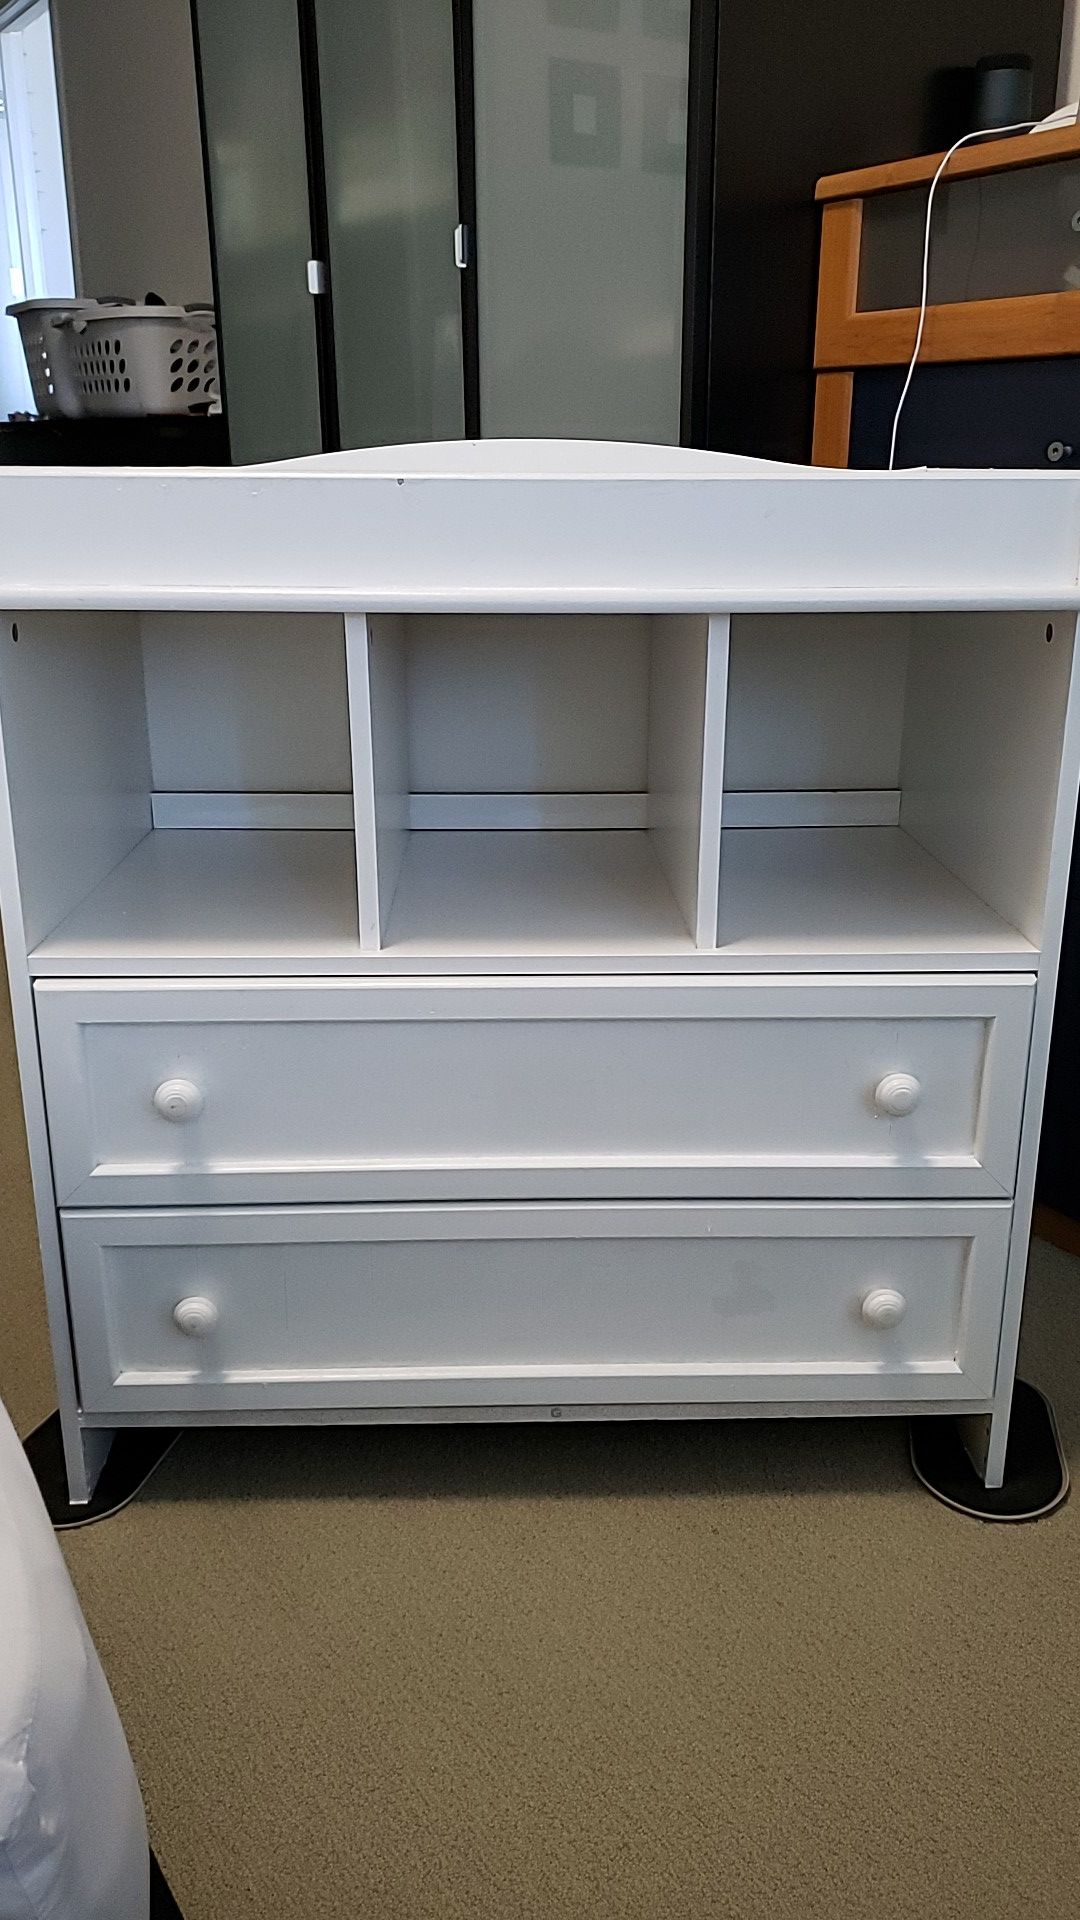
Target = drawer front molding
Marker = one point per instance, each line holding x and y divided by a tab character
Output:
378	1307
271	1093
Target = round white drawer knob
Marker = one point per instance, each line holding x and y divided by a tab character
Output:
178	1100
883	1307
196	1316
897	1094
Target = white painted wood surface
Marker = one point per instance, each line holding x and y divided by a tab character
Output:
982	752
649	540
829	899
494	1089
229	897
78	768
389	722
268	811
687	697
565	1088
84	1454
853	893
548	707
991	1442
490	812
364	855
466	1305
500	812
247	701
854	807
530	459
102	1426
816	700
528	895
539	705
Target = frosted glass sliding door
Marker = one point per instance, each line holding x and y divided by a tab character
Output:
580	180
253	112
386	70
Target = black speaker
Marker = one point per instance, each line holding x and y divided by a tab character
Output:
1003	91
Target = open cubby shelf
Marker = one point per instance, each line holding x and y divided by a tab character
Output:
529	791
808	897
232	898
537	893
852	893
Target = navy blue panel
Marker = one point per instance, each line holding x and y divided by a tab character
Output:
1003	413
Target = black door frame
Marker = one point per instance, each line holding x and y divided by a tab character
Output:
465	119
701	109
319	217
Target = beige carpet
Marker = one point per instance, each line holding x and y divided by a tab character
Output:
668	1673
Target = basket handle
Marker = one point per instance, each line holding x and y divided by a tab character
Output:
78	321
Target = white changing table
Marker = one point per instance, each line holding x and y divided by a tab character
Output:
524	929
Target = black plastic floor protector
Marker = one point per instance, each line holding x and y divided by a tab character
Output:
133	1457
1036	1471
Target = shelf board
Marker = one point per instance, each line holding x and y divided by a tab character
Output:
534	893
218	896
856	895
257	899
803	899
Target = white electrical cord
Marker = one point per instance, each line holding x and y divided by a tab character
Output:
981	133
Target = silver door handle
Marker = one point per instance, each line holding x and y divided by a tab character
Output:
461	247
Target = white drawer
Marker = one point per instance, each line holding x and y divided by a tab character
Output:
465	1089
487	1306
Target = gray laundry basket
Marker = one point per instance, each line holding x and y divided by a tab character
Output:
56	389
134	360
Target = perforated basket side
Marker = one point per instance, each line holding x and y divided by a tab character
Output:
55	386
146	363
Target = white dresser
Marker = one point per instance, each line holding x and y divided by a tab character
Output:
530	930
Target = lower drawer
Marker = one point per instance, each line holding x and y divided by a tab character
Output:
443	1306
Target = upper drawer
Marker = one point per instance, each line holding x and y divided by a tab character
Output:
427	1090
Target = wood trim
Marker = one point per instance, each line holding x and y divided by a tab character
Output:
1033	326
1059	1228
838	291
838	276
832	419
1029	327
991	156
